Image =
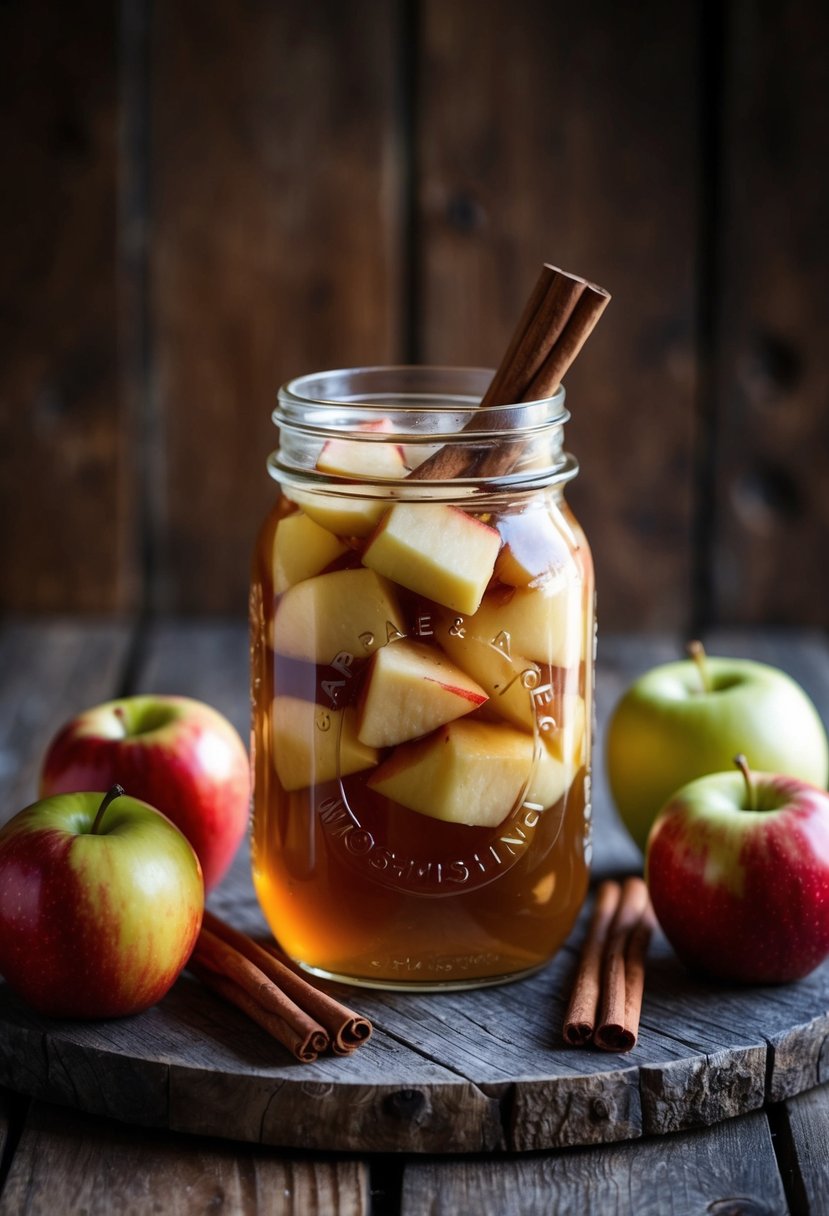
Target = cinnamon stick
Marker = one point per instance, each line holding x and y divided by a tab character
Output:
346	1030
637	949
559	316
235	978
580	1018
623	969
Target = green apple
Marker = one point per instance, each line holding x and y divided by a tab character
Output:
686	719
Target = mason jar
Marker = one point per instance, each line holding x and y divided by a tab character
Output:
422	679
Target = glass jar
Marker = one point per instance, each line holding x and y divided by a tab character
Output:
422	678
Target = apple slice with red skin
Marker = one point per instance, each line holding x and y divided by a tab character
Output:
409	690
488	653
435	550
738	872
365	459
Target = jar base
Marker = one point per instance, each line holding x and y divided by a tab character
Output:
386	985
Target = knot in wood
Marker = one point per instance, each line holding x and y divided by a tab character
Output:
406	1103
600	1110
738	1205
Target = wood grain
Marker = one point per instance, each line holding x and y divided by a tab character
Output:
803	1133
66	543
772	436
276	252
729	1169
79	1164
523	157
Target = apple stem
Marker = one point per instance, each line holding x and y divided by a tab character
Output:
117	791
751	789
696	651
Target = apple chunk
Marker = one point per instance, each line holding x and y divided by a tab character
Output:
493	665
550	780
363	457
436	550
313	744
532	548
410	689
352	611
343	514
544	623
301	548
465	772
566	737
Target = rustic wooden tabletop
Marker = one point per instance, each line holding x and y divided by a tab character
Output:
766	1063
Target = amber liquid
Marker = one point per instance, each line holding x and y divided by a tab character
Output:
356	886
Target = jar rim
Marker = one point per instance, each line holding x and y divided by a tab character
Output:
296	392
424	407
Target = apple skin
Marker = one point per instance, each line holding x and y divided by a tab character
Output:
95	926
178	754
665	731
743	894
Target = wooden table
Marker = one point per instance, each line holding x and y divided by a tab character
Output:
772	1158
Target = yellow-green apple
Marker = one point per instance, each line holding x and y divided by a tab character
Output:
301	548
409	690
342	512
544	623
685	719
532	547
471	773
176	753
738	871
313	744
352	611
435	550
101	902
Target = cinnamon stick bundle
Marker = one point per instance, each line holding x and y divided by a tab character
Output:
606	1002
557	320
252	977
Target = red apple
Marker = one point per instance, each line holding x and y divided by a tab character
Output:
173	752
100	904
738	871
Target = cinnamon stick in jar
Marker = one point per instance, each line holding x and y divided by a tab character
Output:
557	320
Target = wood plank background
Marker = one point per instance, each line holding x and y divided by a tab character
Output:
201	200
